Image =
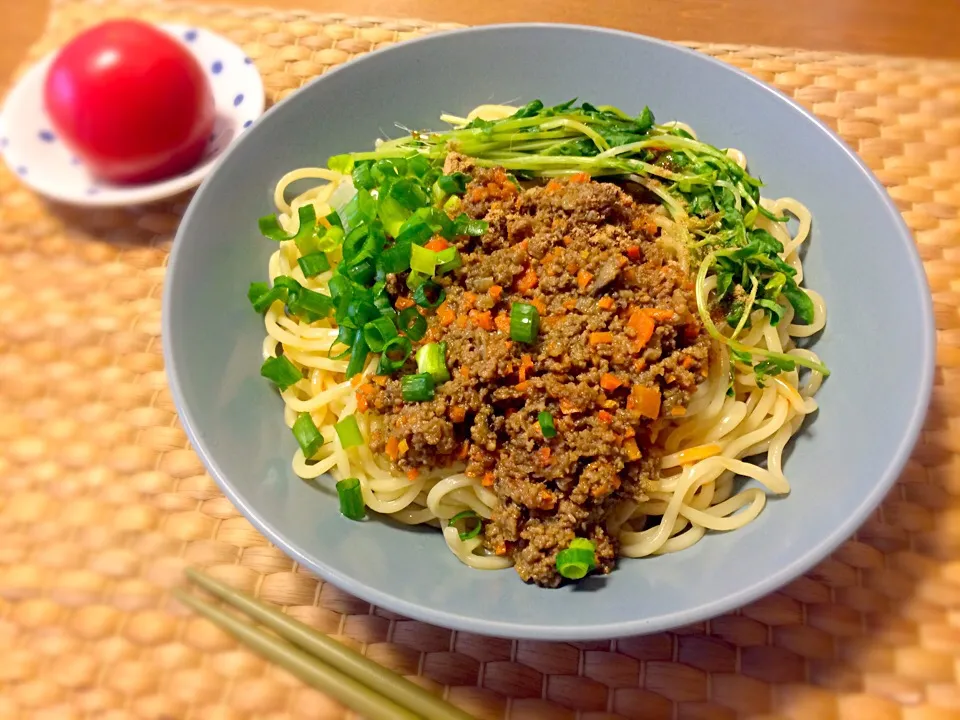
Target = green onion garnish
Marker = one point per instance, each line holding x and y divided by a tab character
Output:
577	560
432	359
455	184
546	424
303	237
262	296
524	323
378	332
412	324
466	515
349	432
394	354
313	264
351	499
331	238
280	371
428	289
423	260
307	435
448	260
358	355
417	388
304	302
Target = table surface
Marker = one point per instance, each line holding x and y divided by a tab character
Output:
926	28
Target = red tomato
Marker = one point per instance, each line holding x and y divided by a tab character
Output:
130	101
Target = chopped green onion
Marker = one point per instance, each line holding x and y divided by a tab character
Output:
395	259
412	324
331	239
345	336
281	372
361	176
308	437
417	388
448	260
358	355
418	165
423	260
307	216
334	219
394	354
349	432
466	515
546	424
304	302
416	279
262	296
313	264
455	184
428	288
414	230
351	498
465	225
432	359
577	560
362	272
378	332
452	204
524	322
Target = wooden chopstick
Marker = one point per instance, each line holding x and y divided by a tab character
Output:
354	680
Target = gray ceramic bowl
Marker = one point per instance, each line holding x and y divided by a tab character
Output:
879	340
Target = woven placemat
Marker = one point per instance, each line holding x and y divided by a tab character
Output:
102	501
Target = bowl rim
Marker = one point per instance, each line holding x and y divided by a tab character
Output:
590	630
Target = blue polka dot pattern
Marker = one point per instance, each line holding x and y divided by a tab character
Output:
237	100
217	67
46	136
22	170
248	123
190	35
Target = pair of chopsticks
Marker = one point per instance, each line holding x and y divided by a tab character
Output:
362	685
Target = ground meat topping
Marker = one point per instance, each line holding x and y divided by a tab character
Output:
619	352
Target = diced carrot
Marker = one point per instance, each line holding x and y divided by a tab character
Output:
605	303
464	371
643	325
445	314
540	305
544	453
580	177
570	304
621	260
601	338
659	314
636	223
645	401
356	380
605	417
469	299
403	446
528	281
546	500
687	362
640	365
630	447
502	322
393	448
462	321
458	413
495	292
633	253
572	267
650	228
523	386
508	344
403	303
630	433
583	278
567	240
678	411
366	389
501	549
567	407
413	474
437	244
362	403
488	479
483	320
526	363
553	186
464	451
380	380
478	194
610	382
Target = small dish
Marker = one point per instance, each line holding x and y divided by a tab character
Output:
32	150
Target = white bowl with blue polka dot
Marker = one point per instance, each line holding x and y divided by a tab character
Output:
30	147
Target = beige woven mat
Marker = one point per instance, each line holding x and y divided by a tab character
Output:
102	501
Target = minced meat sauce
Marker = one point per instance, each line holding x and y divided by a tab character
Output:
618	354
